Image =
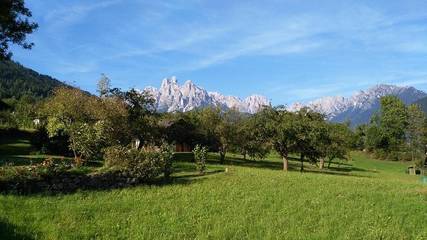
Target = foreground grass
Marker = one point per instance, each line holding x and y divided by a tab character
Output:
361	199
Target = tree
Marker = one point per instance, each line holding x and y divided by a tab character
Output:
218	129
392	122
280	127
226	131
340	142
141	109
90	122
104	85
14	26
66	112
311	136
359	137
181	130
250	139
25	111
386	133
416	132
206	121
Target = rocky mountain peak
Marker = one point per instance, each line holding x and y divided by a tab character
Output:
172	97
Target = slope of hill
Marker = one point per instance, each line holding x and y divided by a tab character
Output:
171	97
17	81
359	108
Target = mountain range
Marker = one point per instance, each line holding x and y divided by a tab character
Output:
17	81
359	107
172	97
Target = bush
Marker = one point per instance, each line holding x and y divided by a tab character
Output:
143	164
200	156
44	169
116	156
167	158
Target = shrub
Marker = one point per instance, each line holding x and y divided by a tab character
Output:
116	156
44	169
200	156
167	158
143	164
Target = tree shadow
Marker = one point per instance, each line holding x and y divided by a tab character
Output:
196	175
351	169
25	160
235	161
338	168
10	231
21	160
71	182
335	173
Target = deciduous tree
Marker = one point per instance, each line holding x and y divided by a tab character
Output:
15	25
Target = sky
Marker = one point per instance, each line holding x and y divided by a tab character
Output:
287	50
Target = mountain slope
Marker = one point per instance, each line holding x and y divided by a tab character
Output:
17	80
422	103
359	108
171	97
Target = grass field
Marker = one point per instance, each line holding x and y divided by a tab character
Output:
359	199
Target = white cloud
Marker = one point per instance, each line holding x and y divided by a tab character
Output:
66	15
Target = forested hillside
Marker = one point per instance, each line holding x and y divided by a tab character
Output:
17	81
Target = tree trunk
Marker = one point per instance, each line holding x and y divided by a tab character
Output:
285	163
74	151
221	156
244	155
302	163
322	163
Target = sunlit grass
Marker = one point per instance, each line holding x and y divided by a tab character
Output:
360	199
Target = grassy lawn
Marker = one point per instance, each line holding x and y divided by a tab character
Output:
359	199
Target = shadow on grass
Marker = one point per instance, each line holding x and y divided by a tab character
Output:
15	149
195	175
9	231
21	160
337	168
25	160
72	181
335	173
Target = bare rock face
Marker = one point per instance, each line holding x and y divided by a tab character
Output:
359	108
171	97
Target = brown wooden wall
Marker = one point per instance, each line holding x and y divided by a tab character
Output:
182	147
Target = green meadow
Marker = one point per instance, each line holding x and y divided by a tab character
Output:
243	199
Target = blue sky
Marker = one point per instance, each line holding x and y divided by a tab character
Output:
286	50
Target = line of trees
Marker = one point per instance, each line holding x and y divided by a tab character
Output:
90	124
396	132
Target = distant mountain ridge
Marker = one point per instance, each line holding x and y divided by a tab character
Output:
422	103
171	97
359	107
17	81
